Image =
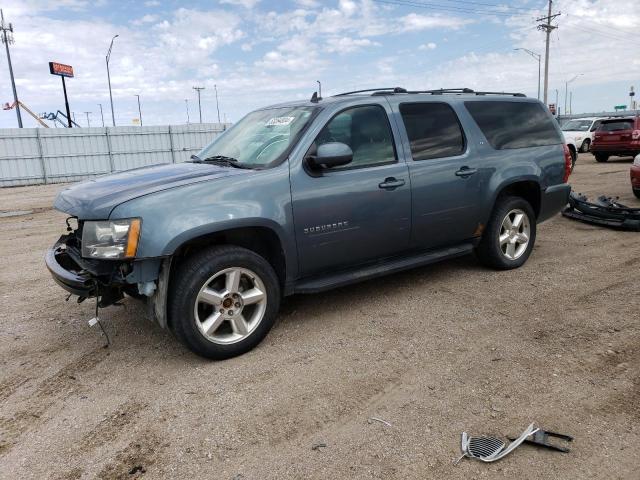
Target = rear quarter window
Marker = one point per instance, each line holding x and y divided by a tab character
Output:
509	125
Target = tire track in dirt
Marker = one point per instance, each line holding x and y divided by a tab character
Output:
58	386
111	427
134	460
9	386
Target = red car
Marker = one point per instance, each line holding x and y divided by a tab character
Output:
616	136
635	176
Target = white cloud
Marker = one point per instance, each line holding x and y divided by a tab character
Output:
347	44
149	18
243	3
427	46
416	22
152	3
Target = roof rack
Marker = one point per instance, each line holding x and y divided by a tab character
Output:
441	91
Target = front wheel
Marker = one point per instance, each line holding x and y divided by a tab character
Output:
223	301
584	148
509	236
601	157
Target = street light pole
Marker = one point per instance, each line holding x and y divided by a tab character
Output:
566	91
215	87
7	39
88	121
199	89
101	114
113	117
139	109
186	103
538	57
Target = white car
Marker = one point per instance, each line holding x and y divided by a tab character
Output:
580	132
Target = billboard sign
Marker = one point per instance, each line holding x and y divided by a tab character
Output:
61	69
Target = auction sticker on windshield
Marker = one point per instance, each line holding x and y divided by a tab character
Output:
279	121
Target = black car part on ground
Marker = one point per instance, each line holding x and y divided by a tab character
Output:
605	211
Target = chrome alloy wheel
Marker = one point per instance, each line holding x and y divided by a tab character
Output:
230	305
514	234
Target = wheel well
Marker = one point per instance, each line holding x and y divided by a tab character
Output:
529	190
261	240
572	148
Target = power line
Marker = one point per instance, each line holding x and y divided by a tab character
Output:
447	8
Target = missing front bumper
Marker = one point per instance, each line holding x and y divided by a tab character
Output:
606	212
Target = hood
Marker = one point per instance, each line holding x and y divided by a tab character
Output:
95	199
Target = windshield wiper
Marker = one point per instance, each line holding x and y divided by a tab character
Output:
219	160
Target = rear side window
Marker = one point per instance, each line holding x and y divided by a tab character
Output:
514	124
433	130
616	125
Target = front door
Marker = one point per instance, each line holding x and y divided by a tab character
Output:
359	212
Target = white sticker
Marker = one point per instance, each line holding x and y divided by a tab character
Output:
93	321
280	121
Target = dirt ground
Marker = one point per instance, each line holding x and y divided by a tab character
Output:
434	351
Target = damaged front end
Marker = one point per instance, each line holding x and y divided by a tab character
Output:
108	280
605	211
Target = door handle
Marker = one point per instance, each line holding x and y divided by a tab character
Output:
465	172
391	182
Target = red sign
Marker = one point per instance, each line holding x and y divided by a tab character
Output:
60	69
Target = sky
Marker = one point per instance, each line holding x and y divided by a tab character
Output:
260	52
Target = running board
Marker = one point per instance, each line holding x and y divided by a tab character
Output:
334	280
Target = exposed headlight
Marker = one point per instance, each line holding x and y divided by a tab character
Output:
112	240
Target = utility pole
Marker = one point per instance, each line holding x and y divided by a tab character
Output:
537	56
101	114
199	89
548	28
108	56
7	39
88	121
557	106
186	103
139	109
215	87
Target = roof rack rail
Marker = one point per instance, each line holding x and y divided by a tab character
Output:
375	91
440	91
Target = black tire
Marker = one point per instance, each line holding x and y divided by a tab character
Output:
584	148
636	192
574	157
601	157
489	250
192	274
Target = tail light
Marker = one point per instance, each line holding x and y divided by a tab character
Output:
567	163
635	135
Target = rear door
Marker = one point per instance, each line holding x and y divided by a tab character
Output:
446	178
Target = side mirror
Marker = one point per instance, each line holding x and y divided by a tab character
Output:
332	154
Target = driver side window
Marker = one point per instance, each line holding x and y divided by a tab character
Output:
366	131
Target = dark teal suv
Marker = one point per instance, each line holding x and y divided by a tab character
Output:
310	195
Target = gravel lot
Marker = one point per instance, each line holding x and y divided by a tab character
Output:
433	351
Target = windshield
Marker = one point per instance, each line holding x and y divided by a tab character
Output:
616	125
261	137
577	126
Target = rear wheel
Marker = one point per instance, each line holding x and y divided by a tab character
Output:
584	148
510	234
602	157
223	301
636	192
